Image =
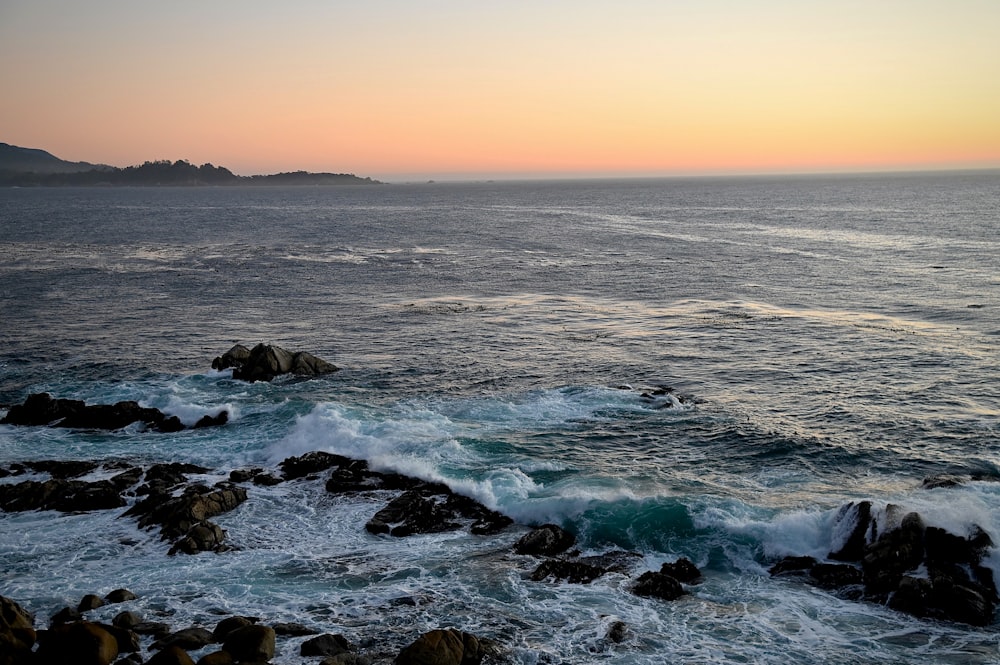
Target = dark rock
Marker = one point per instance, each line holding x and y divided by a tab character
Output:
65	495
90	602
793	565
80	643
244	475
266	361
127	620
293	629
893	554
62	470
854	519
171	655
119	596
911	596
573	571
188	639
216	658
203	537
657	585
941	480
325	645
17	633
186	516
162	478
311	463
682	570
158	630
127	640
234	357
434	508
65	615
617	632
835	575
229	624
266	480
41	409
251	644
212	421
442	647
546	540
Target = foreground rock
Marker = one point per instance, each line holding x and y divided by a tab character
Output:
41	409
442	647
80	643
17	633
267	361
923	571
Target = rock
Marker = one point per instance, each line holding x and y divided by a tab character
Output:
851	529
434	508
80	643
655	584
266	480
17	632
616	632
65	615
545	540
90	602
157	629
311	463
894	553
234	357
442	647
216	658
229	624
793	566
265	361
188	639
127	620
127	640
171	655
293	629
119	596
212	421
162	478
584	570
251	644
835	575
325	645
682	570
62	470
185	517
42	409
66	495
244	475
203	537
941	480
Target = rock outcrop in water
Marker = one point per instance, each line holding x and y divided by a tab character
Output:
922	570
264	362
41	409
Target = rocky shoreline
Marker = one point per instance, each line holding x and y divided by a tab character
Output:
888	556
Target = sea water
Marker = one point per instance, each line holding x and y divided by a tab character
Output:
826	339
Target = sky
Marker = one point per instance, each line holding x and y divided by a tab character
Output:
447	88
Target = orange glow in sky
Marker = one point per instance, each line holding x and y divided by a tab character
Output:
394	89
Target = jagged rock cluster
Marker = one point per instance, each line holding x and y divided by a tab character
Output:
266	361
41	409
922	570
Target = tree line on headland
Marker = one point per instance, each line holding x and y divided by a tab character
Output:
27	167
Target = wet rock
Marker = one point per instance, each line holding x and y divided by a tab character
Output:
162	478
65	615
617	632
584	570
893	554
229	624
90	602
127	620
185	517
251	644
188	639
682	570
157	629
311	463
212	421
793	566
119	596
62	470
203	537
244	475
41	409
293	629
264	362
442	647
266	480
852	524
80	643
545	540
941	480
325	645
127	640
654	584
836	575
67	495
171	655
17	632
216	658
434	508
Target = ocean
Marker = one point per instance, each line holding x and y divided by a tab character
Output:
827	339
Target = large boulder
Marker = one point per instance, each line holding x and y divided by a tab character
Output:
442	647
17	633
251	644
80	643
654	584
266	361
545	540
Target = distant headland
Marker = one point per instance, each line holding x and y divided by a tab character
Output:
31	167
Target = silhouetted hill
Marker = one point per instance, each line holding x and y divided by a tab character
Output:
28	167
33	160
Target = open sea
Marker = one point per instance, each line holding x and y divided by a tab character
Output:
827	339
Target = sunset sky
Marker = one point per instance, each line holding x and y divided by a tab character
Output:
448	88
